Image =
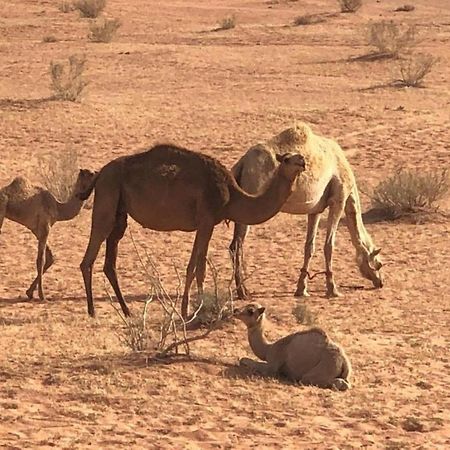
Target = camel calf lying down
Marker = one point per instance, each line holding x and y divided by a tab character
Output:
308	357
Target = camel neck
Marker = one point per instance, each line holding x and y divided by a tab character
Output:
254	209
258	342
69	209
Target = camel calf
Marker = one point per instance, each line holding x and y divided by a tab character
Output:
309	357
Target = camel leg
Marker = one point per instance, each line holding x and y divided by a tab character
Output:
3	204
49	260
334	215
42	236
197	265
313	223
109	268
262	368
237	257
324	375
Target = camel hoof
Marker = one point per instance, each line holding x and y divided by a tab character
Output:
340	384
334	294
301	293
29	294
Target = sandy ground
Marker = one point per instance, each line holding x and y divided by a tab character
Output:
66	381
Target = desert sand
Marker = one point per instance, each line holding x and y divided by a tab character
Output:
66	380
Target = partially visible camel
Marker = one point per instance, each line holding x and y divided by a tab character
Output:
169	188
309	357
37	209
327	182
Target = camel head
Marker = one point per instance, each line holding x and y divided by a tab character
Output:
291	165
370	267
251	315
84	180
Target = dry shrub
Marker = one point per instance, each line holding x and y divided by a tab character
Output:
67	80
50	38
308	19
349	6
405	8
103	30
414	69
66	6
90	8
58	173
410	191
303	315
227	23
390	39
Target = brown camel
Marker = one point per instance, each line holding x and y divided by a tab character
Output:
169	188
327	182
37	209
309	357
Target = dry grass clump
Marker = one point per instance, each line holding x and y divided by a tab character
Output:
415	68
405	8
390	39
67	79
58	173
103	30
303	315
66	6
349	6
49	38
308	19
410	191
90	8
227	23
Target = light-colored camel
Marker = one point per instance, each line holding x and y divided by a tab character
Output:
327	182
309	357
169	188
37	209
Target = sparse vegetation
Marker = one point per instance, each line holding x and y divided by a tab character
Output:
405	8
67	79
58	173
303	315
415	68
349	6
103	30
66	6
390	39
227	23
50	38
410	191
90	8
308	19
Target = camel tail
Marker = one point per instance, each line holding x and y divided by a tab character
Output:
88	191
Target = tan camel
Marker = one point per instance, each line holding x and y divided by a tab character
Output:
327	182
169	188
37	209
309	357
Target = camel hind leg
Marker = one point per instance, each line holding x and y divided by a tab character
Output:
237	258
326	374
109	268
49	260
42	236
3	205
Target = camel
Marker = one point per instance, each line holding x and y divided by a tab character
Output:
170	188
37	209
327	182
309	357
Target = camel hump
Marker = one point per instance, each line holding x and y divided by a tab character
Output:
295	136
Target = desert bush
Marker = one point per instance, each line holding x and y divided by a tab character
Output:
405	8
66	6
303	315
58	173
103	30
227	23
308	19
390	39
414	69
49	38
348	6
411	190
67	80
90	8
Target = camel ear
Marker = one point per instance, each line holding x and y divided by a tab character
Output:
280	158
376	252
261	310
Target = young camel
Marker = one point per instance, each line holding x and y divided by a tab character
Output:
309	357
327	182
37	209
169	188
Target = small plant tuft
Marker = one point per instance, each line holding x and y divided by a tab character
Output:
227	23
411	191
66	6
90	8
308	19
49	39
67	79
405	8
303	315
350	6
390	39
415	68
103	30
